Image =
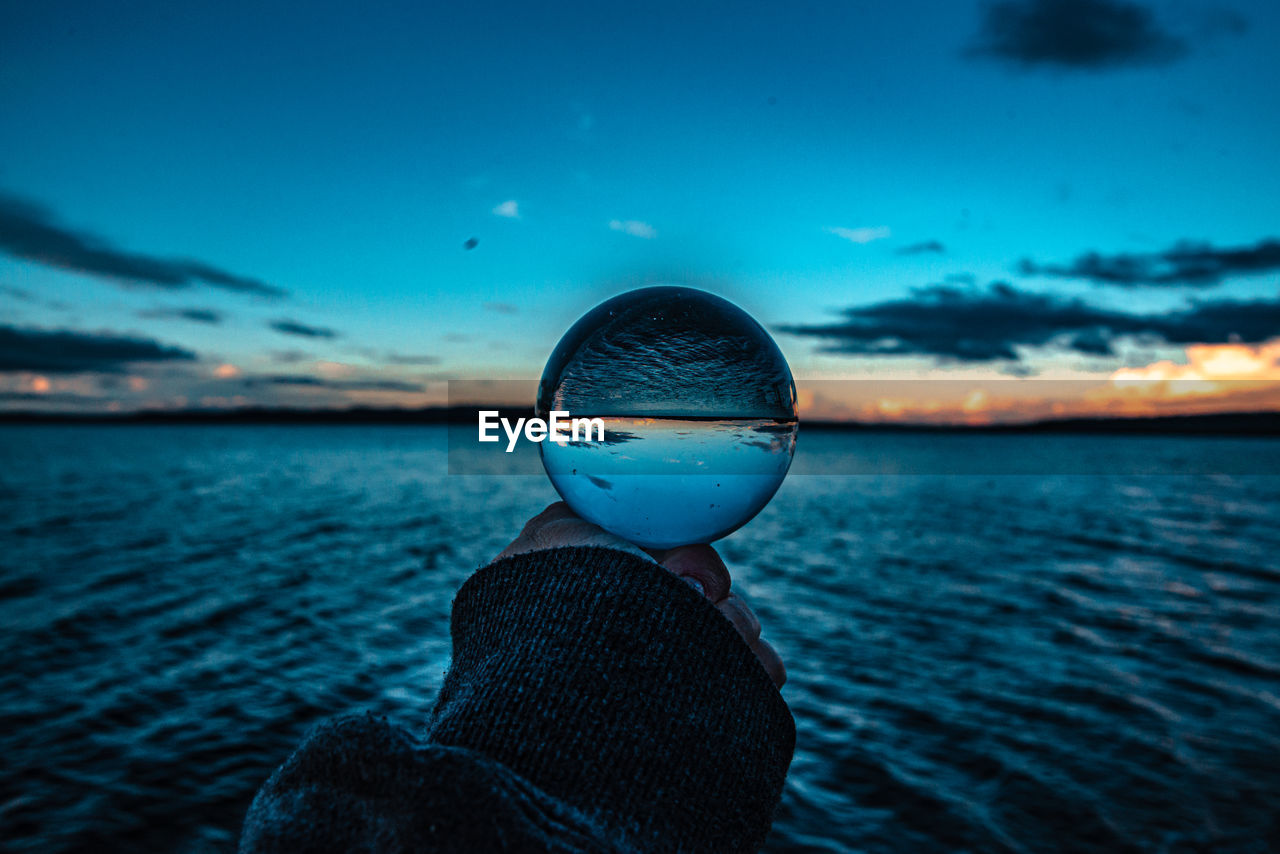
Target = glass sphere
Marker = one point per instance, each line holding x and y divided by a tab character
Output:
698	410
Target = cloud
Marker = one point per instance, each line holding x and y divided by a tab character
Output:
969	325
509	209
1214	22
1221	321
17	293
1075	34
411	359
861	235
288	357
302	330
42	397
194	315
30	232
67	351
501	308
1210	363
634	227
923	248
1186	263
23	295
333	384
1222	377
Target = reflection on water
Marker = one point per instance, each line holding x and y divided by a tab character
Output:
663	482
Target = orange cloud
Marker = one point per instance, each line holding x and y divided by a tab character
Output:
1211	364
1216	377
334	370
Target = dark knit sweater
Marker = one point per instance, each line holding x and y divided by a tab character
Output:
595	702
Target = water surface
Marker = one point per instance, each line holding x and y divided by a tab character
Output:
978	662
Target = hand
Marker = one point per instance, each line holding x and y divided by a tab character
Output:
700	566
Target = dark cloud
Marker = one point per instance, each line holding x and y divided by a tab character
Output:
41	397
1222	22
24	295
501	307
30	232
1079	34
333	384
194	315
1222	321
969	325
289	357
17	293
302	330
923	248
411	359
62	351
1186	263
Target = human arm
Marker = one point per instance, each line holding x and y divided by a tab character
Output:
595	702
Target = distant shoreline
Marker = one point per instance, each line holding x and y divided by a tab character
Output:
1218	424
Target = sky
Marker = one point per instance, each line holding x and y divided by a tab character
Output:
940	210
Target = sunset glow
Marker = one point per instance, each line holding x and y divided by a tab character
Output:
973	230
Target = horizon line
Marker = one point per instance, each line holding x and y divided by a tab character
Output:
1253	423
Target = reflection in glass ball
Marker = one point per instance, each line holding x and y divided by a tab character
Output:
699	413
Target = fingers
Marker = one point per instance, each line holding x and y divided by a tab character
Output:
748	625
771	661
573	531
551	513
558	526
741	616
702	564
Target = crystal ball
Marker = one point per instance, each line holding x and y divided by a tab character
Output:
697	409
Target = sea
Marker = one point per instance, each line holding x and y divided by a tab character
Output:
1003	643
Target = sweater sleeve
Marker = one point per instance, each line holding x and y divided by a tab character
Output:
595	702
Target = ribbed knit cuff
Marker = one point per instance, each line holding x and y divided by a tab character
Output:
609	683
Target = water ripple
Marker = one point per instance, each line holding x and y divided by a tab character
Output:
1016	664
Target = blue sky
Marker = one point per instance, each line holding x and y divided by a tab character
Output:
799	159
